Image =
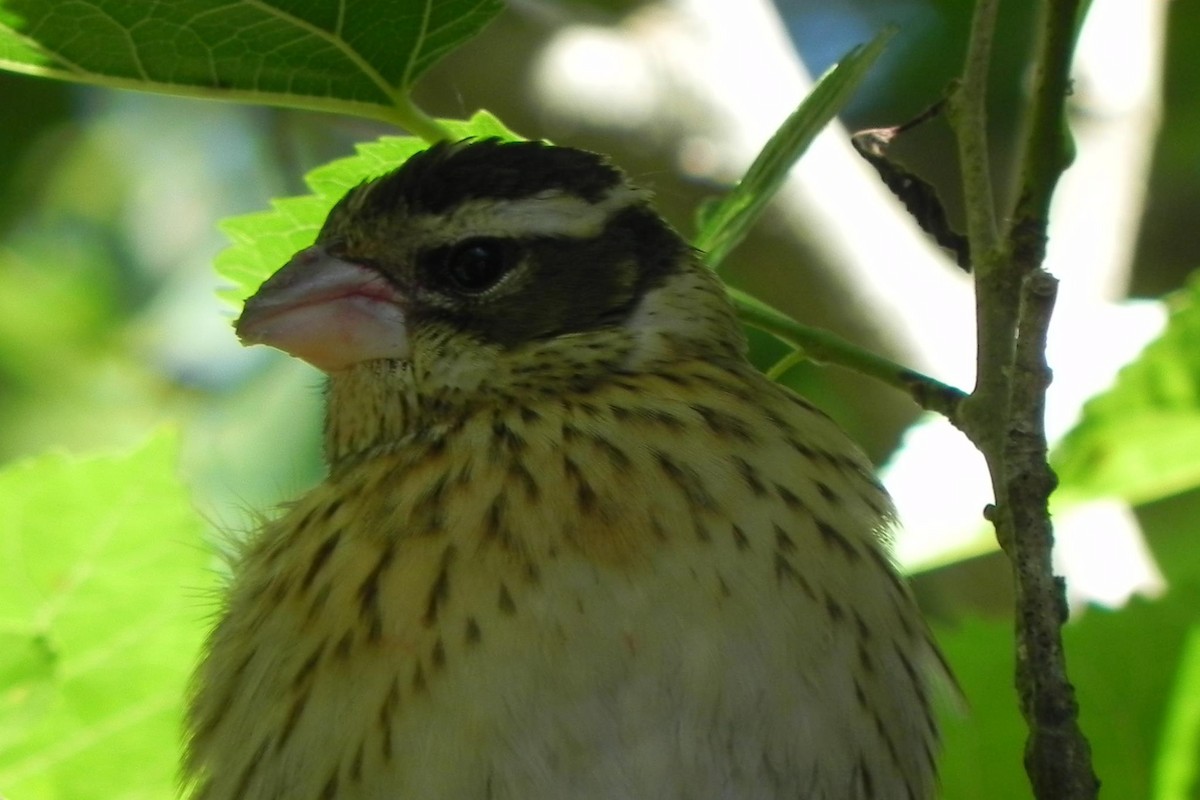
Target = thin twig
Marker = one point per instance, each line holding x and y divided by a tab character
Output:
996	291
968	111
1047	149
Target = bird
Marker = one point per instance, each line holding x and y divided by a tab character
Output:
571	544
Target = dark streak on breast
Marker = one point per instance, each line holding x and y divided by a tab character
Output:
387	709
724	424
688	481
368	595
319	598
418	679
834	609
293	717
437	657
788	497
505	601
784	569
739	538
750	475
439	591
427	510
247	775
831	536
329	792
342	649
518	472
356	764
585	495
783	542
305	673
319	558
616	456
911	672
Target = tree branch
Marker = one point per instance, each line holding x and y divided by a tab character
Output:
1004	416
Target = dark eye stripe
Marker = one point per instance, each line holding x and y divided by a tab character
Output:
581	283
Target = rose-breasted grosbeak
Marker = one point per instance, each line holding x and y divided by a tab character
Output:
572	546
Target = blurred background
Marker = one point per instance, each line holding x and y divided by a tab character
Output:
111	328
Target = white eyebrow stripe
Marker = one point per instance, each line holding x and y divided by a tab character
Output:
553	213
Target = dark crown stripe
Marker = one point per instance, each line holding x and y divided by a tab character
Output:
449	174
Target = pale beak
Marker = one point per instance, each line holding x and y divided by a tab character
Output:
329	312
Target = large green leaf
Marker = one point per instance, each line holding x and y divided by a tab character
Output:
1141	439
1178	765
263	241
352	56
1134	681
106	594
1137	678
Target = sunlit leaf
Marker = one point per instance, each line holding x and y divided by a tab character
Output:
1123	665
263	241
1178	767
982	745
1141	439
106	595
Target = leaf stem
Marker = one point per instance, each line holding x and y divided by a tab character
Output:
414	120
823	346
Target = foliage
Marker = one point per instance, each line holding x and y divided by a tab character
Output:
1139	440
107	588
351	56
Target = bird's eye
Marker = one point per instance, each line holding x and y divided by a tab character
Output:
476	265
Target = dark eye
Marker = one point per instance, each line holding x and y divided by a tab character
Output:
476	265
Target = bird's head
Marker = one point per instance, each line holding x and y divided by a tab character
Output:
483	268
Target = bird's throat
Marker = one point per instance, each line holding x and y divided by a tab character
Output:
368	405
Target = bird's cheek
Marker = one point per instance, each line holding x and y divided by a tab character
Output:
326	311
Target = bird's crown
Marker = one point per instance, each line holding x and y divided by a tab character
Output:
449	174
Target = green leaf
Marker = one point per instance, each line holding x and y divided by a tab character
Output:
358	57
981	757
1123	665
1179	749
264	241
106	594
1140	440
1135	684
723	224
